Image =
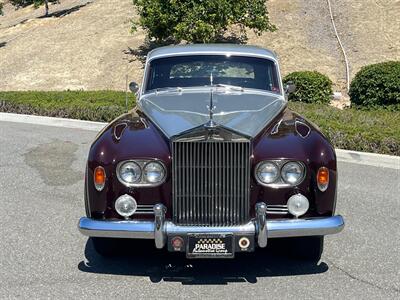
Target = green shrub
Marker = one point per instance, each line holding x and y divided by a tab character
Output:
377	85
200	21
311	87
102	106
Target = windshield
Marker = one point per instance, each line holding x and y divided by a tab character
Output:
195	70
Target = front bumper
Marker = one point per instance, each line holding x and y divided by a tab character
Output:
260	227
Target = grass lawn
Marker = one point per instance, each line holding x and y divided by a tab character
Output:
361	130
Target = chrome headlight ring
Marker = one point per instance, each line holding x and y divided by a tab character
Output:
281	180
267	172
292	172
152	172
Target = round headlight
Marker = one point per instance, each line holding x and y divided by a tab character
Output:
125	205
129	172
154	172
267	172
292	172
298	205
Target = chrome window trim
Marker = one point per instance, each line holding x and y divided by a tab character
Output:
211	52
142	164
280	163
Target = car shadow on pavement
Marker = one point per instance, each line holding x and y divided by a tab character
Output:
159	265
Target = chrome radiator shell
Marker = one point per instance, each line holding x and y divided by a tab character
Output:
211	181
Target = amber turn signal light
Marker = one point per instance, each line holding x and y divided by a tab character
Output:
99	178
323	179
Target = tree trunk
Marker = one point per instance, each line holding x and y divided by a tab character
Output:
46	5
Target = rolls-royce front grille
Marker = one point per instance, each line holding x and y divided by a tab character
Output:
211	182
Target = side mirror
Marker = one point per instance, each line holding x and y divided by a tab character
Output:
290	87
134	87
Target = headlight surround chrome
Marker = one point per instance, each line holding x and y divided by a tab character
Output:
152	172
292	172
267	172
129	173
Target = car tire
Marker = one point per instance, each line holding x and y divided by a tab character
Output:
107	247
308	248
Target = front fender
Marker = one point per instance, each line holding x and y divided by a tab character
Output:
130	136
285	139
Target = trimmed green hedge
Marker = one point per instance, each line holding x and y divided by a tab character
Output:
362	130
377	85
101	106
311	87
375	131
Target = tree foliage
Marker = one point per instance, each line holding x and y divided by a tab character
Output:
200	21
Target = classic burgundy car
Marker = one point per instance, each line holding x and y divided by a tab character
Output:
211	162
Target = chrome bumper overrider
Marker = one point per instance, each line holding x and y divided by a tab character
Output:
260	227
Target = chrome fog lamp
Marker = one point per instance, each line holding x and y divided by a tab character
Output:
129	173
267	172
154	172
292	172
125	205
298	205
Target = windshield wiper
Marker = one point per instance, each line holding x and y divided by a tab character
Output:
229	86
169	89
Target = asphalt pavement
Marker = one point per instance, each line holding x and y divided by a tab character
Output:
42	254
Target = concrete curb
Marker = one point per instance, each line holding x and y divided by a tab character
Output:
50	121
370	159
363	158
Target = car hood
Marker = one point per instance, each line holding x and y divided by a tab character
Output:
246	112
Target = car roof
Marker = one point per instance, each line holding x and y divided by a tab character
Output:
201	49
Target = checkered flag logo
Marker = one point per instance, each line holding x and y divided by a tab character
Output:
210	241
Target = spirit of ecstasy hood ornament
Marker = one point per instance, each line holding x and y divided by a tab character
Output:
211	107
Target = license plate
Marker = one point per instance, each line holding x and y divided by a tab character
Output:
210	246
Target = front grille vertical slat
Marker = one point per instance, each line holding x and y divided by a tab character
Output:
242	183
236	194
186	186
210	182
230	184
219	190
191	182
247	182
223	179
203	184
175	182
